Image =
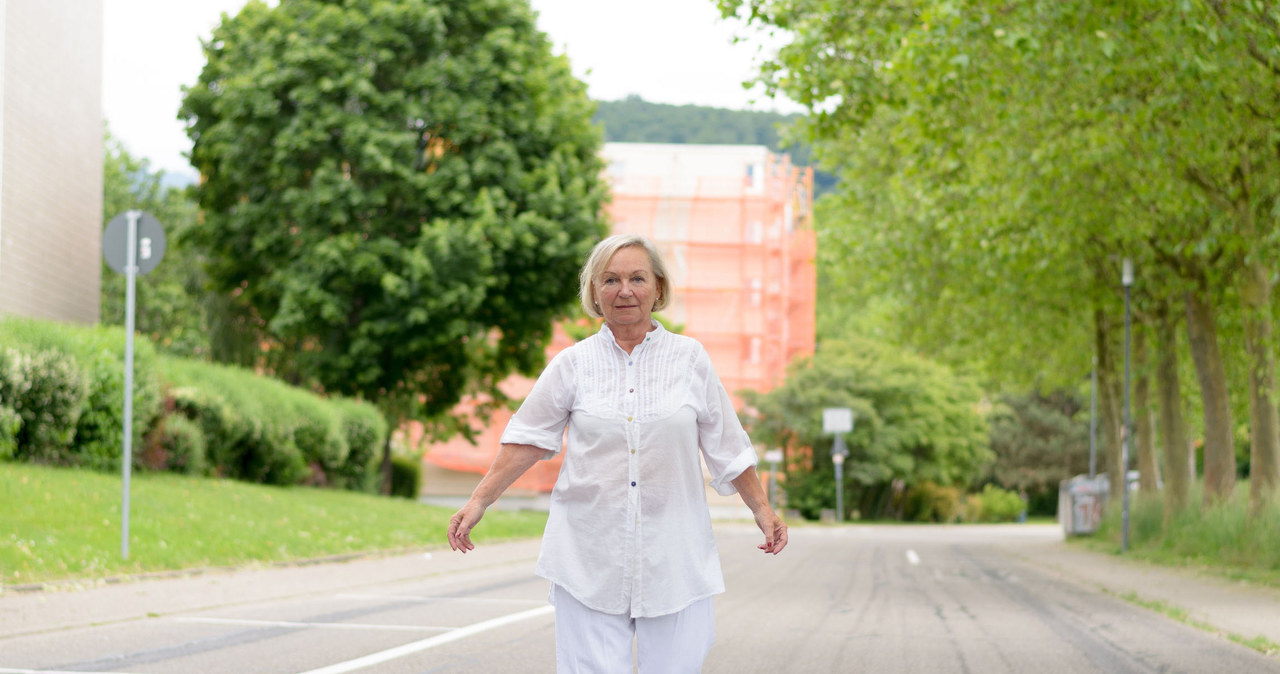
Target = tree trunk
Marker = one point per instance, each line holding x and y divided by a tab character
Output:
1148	467
1178	459
1264	426
386	460
1109	403
1219	445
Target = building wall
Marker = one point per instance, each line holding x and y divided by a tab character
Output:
734	225
51	155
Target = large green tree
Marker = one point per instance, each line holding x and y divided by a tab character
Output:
1000	159
400	191
915	421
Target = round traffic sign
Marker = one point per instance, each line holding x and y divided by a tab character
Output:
150	242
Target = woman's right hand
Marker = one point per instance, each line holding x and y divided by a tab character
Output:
461	524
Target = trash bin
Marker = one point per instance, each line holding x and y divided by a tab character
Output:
1080	503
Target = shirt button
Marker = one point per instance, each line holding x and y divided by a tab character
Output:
631	390
633	451
633	484
628	362
628	418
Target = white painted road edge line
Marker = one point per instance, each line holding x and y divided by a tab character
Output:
912	557
440	640
287	623
411	597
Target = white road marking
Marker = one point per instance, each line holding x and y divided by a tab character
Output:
440	640
410	597
6	670
912	557
287	623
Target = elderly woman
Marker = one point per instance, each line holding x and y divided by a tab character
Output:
628	545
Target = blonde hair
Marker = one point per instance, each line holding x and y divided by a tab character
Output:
599	259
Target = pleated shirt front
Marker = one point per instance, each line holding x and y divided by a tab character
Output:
629	531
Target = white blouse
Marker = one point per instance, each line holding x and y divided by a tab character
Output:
629	531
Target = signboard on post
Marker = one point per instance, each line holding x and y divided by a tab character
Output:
132	244
837	420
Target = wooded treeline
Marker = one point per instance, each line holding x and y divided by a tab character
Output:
634	120
999	161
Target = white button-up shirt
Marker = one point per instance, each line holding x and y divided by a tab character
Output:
629	531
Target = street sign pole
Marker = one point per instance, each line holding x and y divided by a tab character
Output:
838	420
133	243
131	278
837	457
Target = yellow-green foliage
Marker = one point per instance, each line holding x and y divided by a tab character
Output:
993	504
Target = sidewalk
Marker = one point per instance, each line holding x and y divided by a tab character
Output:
1234	607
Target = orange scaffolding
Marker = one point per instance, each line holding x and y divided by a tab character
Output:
735	227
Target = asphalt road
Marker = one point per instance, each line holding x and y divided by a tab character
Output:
851	599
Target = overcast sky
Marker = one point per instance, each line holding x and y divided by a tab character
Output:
666	51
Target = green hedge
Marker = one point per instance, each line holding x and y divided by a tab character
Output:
262	430
70	382
62	398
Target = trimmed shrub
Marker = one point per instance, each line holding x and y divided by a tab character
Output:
263	430
176	444
406	476
993	505
98	354
929	502
10	423
47	392
365	430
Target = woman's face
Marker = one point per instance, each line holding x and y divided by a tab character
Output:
627	289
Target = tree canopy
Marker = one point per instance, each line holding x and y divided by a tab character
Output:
914	421
998	161
398	192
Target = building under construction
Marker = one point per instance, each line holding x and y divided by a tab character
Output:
735	226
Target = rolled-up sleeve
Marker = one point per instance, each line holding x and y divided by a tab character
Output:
542	416
725	445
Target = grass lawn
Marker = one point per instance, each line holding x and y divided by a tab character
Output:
60	523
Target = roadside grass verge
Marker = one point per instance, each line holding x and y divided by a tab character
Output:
1223	540
62	523
1258	643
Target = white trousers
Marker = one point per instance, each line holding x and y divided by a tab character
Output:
591	642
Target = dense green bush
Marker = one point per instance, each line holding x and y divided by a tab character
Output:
62	398
993	505
10	423
406	476
47	392
96	353
262	430
176	444
365	430
929	502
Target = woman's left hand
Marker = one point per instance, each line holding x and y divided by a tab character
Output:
775	531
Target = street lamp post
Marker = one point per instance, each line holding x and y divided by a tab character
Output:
1127	279
1093	420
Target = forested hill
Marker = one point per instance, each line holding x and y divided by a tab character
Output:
634	120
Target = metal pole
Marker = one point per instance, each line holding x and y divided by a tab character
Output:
1125	434
1093	420
837	457
840	491
131	277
